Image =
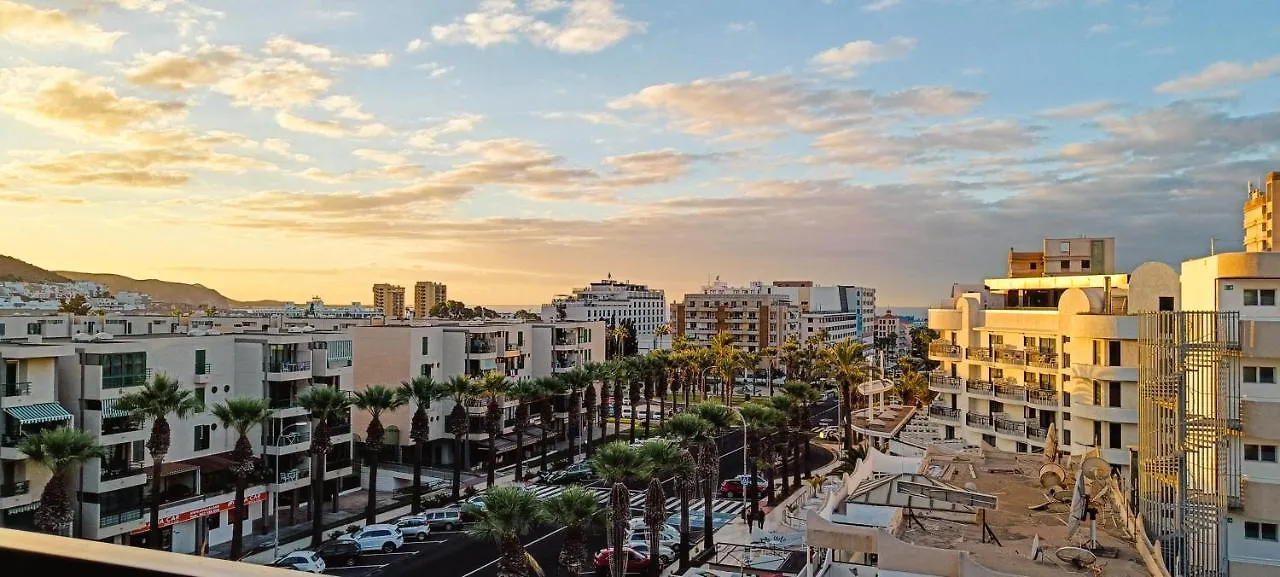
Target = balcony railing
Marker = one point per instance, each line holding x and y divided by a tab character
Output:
293	475
1043	359
111	472
1009	427
15	489
946	350
335	464
978	421
117	425
126	380
1036	432
512	347
978	354
945	382
283	402
339	429
110	519
1011	391
15	389
289	367
339	362
479	347
204	369
1042	397
11	440
944	413
287	439
979	387
1010	356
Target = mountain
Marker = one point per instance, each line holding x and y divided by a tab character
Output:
163	291
12	269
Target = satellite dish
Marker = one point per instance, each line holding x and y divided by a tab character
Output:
1051	476
1077	557
1096	469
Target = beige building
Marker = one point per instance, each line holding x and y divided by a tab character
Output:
1260	218
755	319
1065	257
427	294
1053	350
390	299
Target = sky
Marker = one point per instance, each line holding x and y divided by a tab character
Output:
517	149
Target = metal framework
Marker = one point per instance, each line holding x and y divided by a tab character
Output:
1188	411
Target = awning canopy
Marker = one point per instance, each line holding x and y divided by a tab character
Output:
109	410
41	413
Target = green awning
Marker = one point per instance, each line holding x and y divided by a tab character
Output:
109	410
41	413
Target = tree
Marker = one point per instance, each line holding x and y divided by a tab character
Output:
241	415
846	362
660	331
493	387
578	382
805	396
718	417
759	420
525	393
59	450
550	388
617	341
460	389
920	339
508	514
420	393
664	459
321	403
617	370
912	388
635	382
589	401
156	400
578	511
76	305
375	400
788	428
728	360
661	367
616	463
688	431
524	315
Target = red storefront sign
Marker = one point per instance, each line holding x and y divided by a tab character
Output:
202	512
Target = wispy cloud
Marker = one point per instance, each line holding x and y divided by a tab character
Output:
1221	74
879	5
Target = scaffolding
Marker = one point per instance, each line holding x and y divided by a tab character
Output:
1188	412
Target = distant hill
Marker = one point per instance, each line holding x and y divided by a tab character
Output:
14	270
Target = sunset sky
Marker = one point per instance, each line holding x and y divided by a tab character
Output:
515	149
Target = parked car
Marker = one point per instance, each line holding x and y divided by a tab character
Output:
575	473
443	519
339	552
377	537
635	560
667	537
665	554
733	488
414	527
302	561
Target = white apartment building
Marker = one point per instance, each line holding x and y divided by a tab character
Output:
1054	350
77	380
890	326
754	317
840	312
614	301
393	354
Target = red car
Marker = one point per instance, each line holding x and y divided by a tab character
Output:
732	488
636	562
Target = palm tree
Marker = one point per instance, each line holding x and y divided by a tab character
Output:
846	362
913	388
578	383
792	355
589	403
241	415
663	367
460	389
59	450
664	459
550	388
420	393
600	372
525	393
770	354
617	371
508	513
616	463
805	395
700	361
375	399
759	420
687	430
322	403
578	511
619	335
650	366
788	416
156	400
635	381
493	387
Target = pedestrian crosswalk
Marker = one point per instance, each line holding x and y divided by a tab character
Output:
723	507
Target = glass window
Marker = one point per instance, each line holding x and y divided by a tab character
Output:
1268	453
200	395
1114	436
425	346
1113	353
1113	394
1250	297
1251	374
1251	452
1267	375
1267	297
1262	531
202	437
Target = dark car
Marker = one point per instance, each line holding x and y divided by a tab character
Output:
572	474
339	553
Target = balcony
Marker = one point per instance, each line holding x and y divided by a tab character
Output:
944	350
112	519
1043	398
288	370
338	362
113	471
1011	391
15	489
121	430
948	414
292	479
1046	359
480	347
1036	432
978	421
941	382
15	389
979	354
1010	356
512	350
979	388
339	429
1010	427
203	373
126	380
288	443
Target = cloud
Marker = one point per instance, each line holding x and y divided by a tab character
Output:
426	137
434	69
283	45
419	196
379	156
346	107
588	117
585	25
876	150
743	26
1080	110
845	60
30	26
178	72
332	129
1220	74
273	83
283	148
20	198
1101	29
880	5
416	45
77	105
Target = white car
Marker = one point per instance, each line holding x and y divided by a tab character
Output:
302	561
377	537
415	526
665	554
639	523
667	537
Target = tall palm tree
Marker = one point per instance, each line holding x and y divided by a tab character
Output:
719	418
635	383
525	393
616	463
663	367
617	371
846	362
156	400
770	356
791	354
578	511
664	459
913	388
660	331
786	431
460	389
508	514
589	407
59	450
600	373
550	388
759	419
322	403
493	387
578	383
688	431
805	396
420	393
703	359
650	365
375	400
749	362
240	415
619	335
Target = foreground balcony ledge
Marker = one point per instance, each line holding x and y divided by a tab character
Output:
66	556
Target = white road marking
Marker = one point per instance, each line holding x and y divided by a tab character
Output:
495	561
327	569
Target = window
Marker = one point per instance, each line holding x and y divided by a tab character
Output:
1261	531
1066	399
1113	353
1113	394
200	395
425	370
1260	453
1260	297
1260	375
1166	303
1066	416
1084	264
1097	393
1097	352
1066	437
34	328
202	437
1064	247
425	348
1113	435
1033	266
1066	265
1097	433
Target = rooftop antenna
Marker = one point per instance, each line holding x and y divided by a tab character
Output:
1213	245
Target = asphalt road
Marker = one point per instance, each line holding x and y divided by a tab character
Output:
458	555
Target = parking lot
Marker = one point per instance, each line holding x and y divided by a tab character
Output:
368	562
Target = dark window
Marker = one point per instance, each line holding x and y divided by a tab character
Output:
200	362
1263	531
1114	436
1034	265
1113	394
1250	297
1267	375
425	370
1267	298
1066	399
1066	416
1097	433
1251	374
1097	393
1268	453
214	521
1251	452
1066	437
202	437
200	395
1166	303
1084	264
1113	353
425	348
